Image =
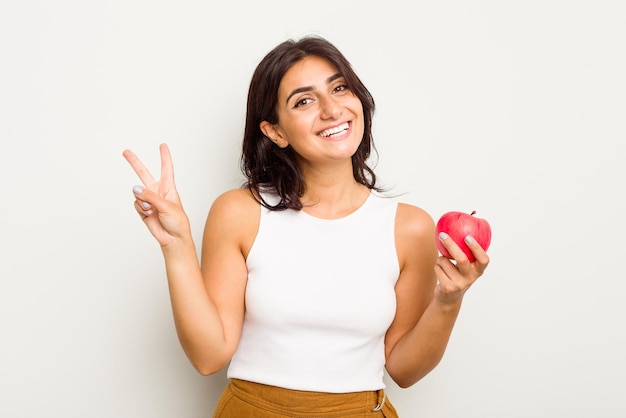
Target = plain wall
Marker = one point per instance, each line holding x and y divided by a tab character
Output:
513	109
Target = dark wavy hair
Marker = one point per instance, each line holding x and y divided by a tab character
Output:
270	168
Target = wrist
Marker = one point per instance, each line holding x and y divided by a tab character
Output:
179	246
447	305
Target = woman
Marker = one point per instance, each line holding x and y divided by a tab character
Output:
311	283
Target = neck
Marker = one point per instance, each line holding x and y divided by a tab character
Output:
333	193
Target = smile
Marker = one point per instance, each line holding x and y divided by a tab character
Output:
336	130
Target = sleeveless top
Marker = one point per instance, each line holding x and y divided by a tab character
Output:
319	299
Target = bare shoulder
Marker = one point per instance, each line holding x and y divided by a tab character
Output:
413	222
415	230
235	203
234	217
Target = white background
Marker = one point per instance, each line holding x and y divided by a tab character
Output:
513	109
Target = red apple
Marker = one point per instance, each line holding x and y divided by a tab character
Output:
458	225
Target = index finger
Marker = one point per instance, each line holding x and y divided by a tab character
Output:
454	248
141	170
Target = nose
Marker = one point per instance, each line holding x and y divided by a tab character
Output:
329	108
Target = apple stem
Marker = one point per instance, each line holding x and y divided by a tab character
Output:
473	213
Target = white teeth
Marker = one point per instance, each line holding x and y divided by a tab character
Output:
337	129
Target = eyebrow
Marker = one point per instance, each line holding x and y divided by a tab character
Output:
310	88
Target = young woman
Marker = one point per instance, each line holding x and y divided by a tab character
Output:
311	282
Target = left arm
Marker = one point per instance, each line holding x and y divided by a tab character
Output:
429	293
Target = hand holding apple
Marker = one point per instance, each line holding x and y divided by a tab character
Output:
458	225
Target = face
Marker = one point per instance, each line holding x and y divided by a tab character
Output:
318	116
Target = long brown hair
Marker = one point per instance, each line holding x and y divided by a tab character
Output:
270	168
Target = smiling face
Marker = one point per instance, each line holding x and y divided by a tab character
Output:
318	116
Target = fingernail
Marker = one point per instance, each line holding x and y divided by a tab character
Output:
137	189
469	239
145	205
148	212
443	235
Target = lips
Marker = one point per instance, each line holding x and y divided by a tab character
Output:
337	130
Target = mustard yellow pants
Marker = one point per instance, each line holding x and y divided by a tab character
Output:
243	399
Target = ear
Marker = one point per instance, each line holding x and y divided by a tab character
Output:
272	132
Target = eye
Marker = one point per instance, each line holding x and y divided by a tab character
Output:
341	88
302	102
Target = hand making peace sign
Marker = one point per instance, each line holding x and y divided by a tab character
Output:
157	201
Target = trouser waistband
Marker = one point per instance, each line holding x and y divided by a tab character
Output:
288	401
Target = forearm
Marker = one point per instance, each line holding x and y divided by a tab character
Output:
198	323
422	348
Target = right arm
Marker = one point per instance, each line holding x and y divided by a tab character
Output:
208	301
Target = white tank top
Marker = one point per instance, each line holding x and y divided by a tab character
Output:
319	300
